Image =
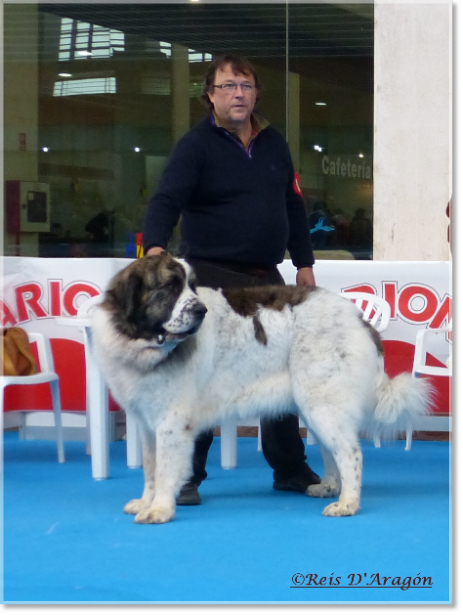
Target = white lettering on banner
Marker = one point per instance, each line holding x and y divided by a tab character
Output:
30	301
346	168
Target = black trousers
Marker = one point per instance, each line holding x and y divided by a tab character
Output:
281	443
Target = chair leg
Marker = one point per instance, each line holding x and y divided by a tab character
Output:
311	439
229	444
55	395
97	416
99	427
88	442
408	442
377	442
259	439
134	454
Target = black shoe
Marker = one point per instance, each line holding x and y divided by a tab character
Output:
188	495
298	482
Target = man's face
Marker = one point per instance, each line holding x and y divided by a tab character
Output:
233	108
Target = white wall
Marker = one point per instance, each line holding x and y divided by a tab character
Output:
412	132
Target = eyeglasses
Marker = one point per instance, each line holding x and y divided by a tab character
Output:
228	88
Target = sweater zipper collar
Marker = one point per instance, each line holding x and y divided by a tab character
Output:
258	124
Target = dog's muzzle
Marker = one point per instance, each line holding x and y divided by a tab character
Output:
197	312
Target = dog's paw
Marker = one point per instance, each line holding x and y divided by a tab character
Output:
155	515
341	510
323	490
135	506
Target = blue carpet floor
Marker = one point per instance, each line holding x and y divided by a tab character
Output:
66	539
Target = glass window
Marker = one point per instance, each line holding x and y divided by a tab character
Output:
117	85
332	66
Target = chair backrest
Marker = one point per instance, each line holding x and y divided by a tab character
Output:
375	310
88	305
44	353
419	359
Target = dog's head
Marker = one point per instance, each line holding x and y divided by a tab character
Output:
155	299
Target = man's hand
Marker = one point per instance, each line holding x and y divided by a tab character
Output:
155	251
305	277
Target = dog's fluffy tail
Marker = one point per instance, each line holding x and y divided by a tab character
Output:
401	400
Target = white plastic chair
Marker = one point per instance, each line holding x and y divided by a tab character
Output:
433	423
97	406
46	375
375	310
419	359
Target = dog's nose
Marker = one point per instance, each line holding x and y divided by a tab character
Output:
200	310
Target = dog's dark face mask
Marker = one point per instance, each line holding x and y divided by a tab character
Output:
142	297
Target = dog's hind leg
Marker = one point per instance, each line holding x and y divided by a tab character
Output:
174	451
348	458
148	444
342	458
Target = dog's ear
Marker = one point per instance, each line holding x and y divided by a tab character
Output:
125	294
133	293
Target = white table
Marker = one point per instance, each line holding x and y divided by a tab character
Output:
97	408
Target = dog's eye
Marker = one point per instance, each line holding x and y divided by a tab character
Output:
164	287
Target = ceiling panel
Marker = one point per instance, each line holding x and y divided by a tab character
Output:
254	30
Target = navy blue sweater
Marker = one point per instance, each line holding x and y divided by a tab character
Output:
235	206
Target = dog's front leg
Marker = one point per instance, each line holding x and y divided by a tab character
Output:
174	450
330	485
148	445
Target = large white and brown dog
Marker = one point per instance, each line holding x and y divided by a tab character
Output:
180	359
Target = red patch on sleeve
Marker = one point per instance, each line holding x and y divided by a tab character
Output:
297	184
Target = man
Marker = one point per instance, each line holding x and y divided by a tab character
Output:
231	179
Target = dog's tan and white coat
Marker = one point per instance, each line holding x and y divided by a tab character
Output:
179	370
